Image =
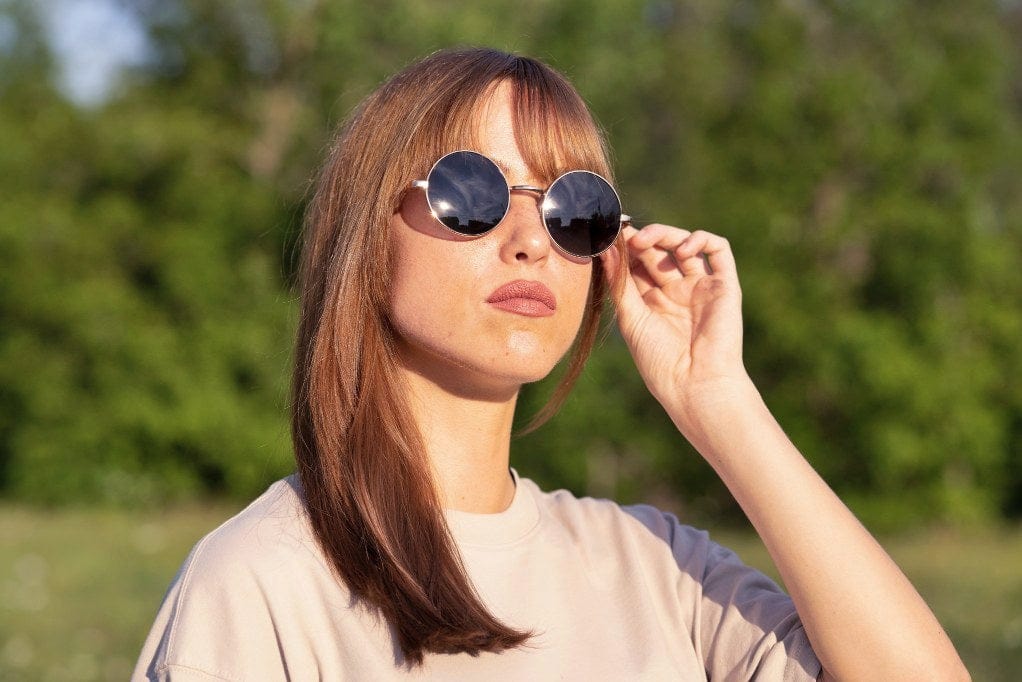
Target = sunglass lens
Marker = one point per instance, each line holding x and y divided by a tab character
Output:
467	192
582	213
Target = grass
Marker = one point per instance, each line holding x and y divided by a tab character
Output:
79	588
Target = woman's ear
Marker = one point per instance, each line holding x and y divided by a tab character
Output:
615	267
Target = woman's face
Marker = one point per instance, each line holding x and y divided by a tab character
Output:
470	312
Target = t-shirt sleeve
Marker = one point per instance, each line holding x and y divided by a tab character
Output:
214	624
194	632
743	626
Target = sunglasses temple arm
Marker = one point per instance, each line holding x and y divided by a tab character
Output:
419	184
626	220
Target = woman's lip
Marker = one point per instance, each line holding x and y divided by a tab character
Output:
524	297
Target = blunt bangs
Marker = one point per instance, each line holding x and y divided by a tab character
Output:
553	127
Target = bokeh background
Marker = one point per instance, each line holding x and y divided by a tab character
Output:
863	157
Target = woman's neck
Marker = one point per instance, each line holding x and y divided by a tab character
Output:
467	439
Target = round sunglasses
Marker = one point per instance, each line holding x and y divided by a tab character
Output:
468	194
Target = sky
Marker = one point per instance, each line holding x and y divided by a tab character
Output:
94	40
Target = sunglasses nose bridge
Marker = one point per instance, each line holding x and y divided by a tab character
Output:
525	232
539	193
527	188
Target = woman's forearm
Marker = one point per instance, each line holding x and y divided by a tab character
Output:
862	615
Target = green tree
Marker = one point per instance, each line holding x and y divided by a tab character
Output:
863	159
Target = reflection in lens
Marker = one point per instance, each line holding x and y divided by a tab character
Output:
582	213
467	192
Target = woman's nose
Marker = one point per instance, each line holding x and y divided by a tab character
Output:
525	238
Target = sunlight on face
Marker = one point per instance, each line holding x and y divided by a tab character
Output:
449	329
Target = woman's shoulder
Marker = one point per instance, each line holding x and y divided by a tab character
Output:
240	590
637	523
643	533
718	598
271	527
569	508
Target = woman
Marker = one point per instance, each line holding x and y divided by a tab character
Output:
405	546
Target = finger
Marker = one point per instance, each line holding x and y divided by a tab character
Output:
636	271
694	265
652	249
626	242
643	280
715	249
655	234
658	265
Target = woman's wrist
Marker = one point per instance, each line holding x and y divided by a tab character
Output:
704	410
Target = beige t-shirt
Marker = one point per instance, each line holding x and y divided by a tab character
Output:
622	593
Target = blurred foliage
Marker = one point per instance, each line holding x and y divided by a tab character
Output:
864	158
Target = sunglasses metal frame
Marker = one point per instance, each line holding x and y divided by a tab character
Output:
424	185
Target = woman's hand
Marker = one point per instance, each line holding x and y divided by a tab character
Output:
679	311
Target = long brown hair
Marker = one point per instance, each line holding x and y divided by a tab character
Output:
362	464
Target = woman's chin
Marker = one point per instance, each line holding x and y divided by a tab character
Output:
500	380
